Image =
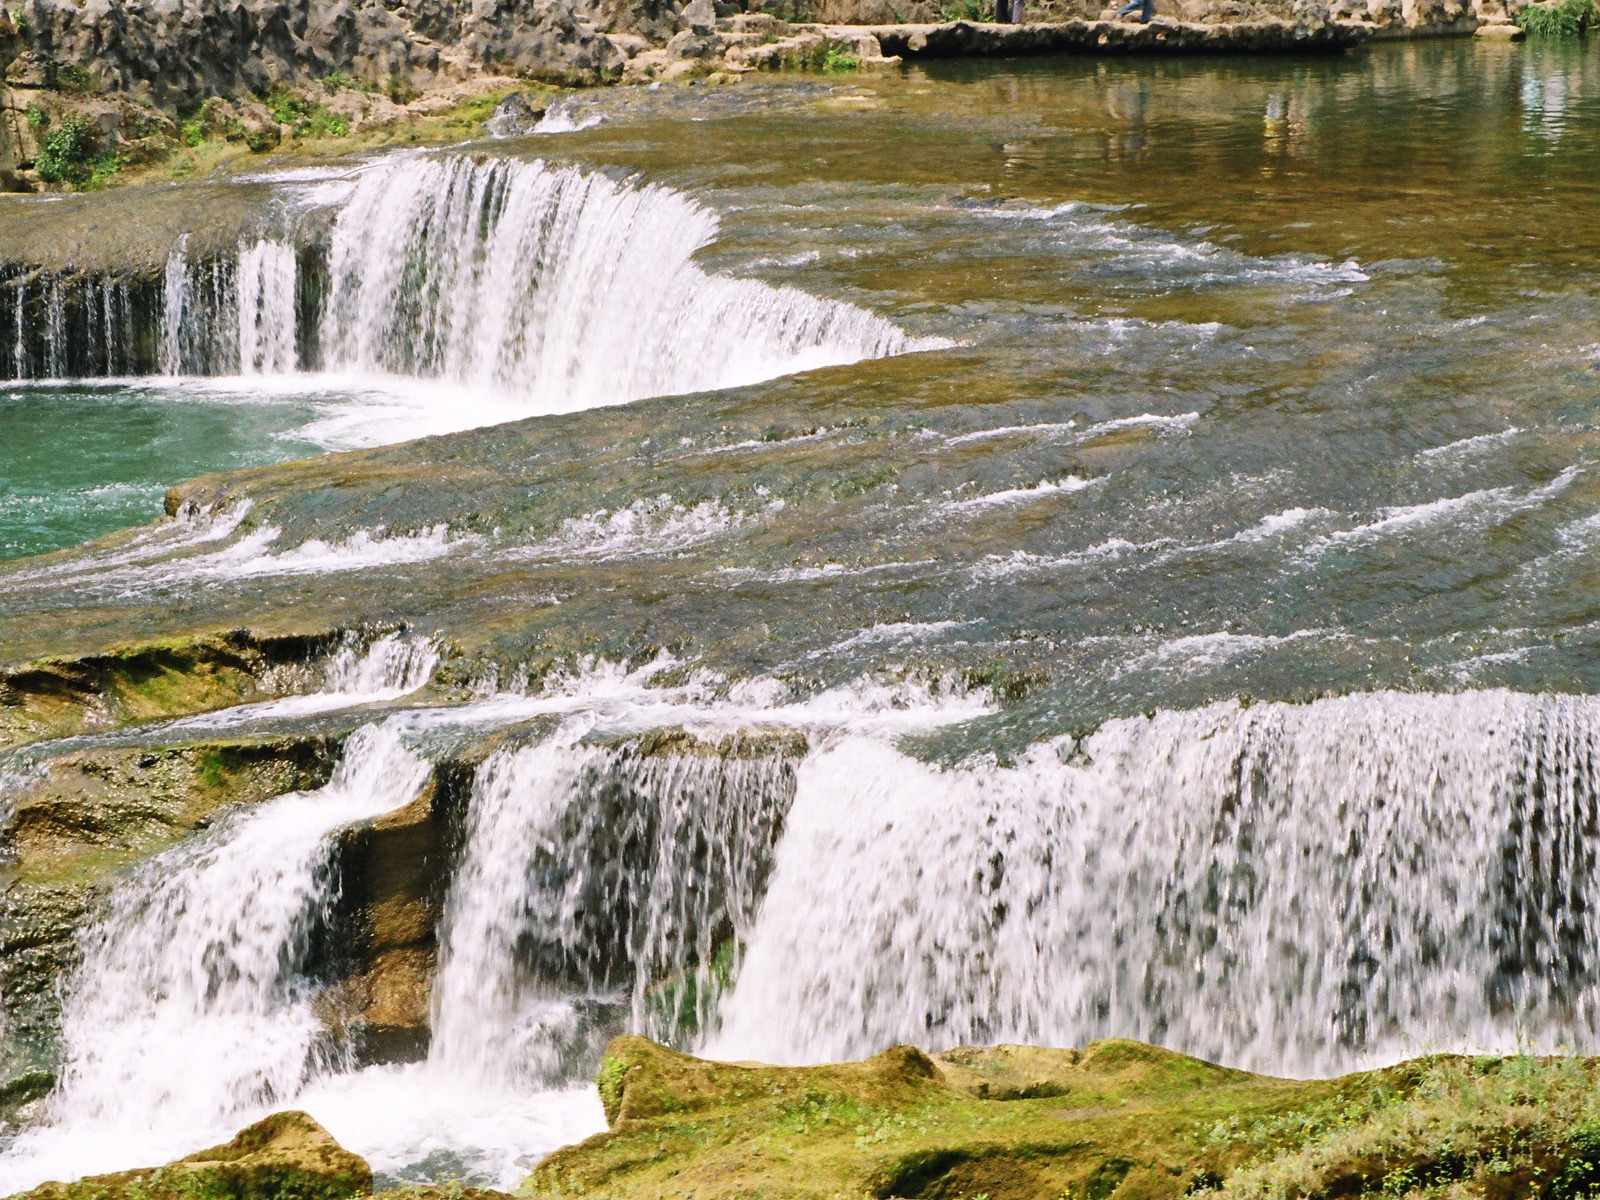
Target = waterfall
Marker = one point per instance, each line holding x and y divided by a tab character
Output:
555	287
599	878
562	287
266	302
175	298
1283	887
190	1012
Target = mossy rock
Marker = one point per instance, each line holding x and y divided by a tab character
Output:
286	1156
1115	1120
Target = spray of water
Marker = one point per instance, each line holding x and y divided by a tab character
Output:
191	1012
1289	888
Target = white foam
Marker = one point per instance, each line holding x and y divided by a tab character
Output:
897	632
189	1016
1044	489
1470	445
657	525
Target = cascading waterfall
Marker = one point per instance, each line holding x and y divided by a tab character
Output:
191	1012
562	287
553	287
175	297
591	875
1280	887
266	300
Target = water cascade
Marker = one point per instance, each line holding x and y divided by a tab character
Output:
562	287
554	287
598	887
267	274
191	1011
1283	887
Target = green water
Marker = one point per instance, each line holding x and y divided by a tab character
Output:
1304	352
80	460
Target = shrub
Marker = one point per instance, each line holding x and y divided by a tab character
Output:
66	151
964	10
306	119
401	91
1564	18
837	60
38	116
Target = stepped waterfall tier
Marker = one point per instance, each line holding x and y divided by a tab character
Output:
1012	629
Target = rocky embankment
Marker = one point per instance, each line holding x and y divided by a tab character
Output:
1116	1119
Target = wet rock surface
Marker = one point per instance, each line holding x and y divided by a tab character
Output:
285	1155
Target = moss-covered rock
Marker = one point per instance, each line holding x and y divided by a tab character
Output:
286	1156
59	697
1116	1119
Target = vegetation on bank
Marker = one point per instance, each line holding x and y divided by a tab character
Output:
1563	18
73	150
1115	1121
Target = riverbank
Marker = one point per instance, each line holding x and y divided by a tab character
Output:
165	100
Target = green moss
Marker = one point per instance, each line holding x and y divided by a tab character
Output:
838	61
1116	1119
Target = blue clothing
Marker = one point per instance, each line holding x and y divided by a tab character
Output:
1148	6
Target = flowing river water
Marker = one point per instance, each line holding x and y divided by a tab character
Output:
1136	578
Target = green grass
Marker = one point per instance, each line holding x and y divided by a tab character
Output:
1564	19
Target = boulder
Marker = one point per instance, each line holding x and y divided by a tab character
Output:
286	1154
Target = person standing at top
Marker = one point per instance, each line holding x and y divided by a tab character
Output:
1147	10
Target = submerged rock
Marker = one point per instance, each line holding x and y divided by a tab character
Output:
285	1155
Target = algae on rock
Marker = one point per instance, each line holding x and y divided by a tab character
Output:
284	1155
1117	1119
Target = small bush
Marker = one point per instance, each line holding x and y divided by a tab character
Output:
963	10
306	119
837	61
38	116
192	130
65	153
1563	19
401	91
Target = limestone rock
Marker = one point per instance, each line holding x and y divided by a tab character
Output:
516	116
539	41
286	1154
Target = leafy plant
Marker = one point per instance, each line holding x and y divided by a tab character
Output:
305	118
38	116
401	90
1564	18
837	60
65	152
